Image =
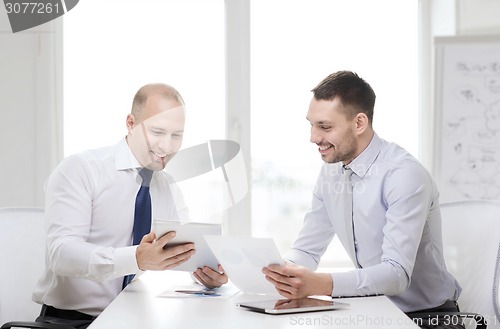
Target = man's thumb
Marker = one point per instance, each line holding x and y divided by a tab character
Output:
149	238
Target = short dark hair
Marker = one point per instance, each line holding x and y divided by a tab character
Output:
355	93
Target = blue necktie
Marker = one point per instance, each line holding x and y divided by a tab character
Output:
142	214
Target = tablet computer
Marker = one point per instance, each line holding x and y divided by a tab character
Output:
287	306
190	232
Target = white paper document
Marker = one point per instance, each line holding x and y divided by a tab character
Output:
243	259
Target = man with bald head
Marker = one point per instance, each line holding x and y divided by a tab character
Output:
90	208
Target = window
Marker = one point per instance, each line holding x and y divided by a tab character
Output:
292	50
294	45
113	47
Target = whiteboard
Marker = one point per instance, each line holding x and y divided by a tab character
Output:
467	117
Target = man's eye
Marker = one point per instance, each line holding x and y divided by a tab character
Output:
325	127
156	132
176	135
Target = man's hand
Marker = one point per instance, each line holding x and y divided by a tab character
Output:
293	281
150	254
211	278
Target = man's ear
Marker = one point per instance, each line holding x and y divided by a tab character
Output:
130	122
361	122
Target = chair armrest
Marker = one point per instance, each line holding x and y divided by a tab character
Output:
34	325
449	316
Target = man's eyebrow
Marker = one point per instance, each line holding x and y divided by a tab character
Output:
156	128
319	122
161	129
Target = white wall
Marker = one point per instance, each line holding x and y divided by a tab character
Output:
31	97
478	17
30	138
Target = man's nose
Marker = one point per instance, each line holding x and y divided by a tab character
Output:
316	137
165	144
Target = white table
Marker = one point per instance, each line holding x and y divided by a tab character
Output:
139	306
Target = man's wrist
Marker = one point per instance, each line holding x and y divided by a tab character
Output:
326	286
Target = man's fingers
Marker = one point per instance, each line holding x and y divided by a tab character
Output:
287	286
208	276
166	238
159	255
279	281
211	278
281	269
285	294
177	259
202	278
219	274
173	265
284	290
178	249
277	277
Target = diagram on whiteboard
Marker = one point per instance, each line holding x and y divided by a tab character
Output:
469	150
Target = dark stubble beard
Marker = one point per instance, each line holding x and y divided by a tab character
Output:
347	152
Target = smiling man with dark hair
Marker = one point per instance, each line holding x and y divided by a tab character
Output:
379	200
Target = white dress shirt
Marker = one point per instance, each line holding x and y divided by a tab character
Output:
397	230
89	211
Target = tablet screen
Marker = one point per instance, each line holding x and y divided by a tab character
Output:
286	306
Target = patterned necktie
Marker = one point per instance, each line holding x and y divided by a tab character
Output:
142	214
346	200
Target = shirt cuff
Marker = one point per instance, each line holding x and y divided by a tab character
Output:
126	261
344	284
301	258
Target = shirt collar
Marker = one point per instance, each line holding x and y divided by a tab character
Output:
365	160
124	158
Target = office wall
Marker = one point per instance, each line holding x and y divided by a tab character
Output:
30	137
478	17
31	99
